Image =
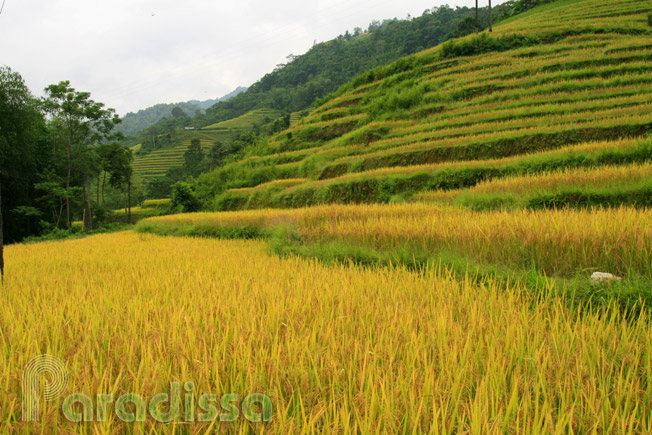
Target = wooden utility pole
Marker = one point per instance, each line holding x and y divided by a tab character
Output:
477	23
490	18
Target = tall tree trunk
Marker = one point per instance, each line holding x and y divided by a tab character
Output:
68	187
477	22
60	214
129	199
97	197
88	212
491	18
103	186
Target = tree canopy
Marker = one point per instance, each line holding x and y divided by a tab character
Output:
51	151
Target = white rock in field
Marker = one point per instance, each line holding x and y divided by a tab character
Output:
604	277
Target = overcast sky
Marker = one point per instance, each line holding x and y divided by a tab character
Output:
131	54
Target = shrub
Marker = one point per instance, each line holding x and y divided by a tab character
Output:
484	44
183	198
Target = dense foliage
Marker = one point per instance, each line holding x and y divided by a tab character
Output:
23	155
56	156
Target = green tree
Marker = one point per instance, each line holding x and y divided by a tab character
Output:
116	162
184	199
177	112
79	122
216	155
193	158
54	195
21	153
159	188
477	21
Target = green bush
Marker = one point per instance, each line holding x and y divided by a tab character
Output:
184	199
484	44
230	201
76	233
637	196
208	231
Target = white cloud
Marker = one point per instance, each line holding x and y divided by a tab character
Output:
131	54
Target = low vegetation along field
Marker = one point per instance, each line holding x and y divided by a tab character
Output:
460	242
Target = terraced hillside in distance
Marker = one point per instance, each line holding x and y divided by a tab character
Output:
565	85
158	162
255	117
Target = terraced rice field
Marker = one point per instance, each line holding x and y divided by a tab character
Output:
522	238
463	305
255	117
516	189
157	163
294	119
149	208
587	79
337	349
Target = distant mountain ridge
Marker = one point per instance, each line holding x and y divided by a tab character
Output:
203	105
132	123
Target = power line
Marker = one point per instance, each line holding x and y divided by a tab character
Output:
3	6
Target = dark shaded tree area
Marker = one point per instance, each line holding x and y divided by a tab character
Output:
51	151
24	154
193	158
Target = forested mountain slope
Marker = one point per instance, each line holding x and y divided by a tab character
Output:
132	123
296	85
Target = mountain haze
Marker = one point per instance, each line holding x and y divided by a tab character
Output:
132	123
